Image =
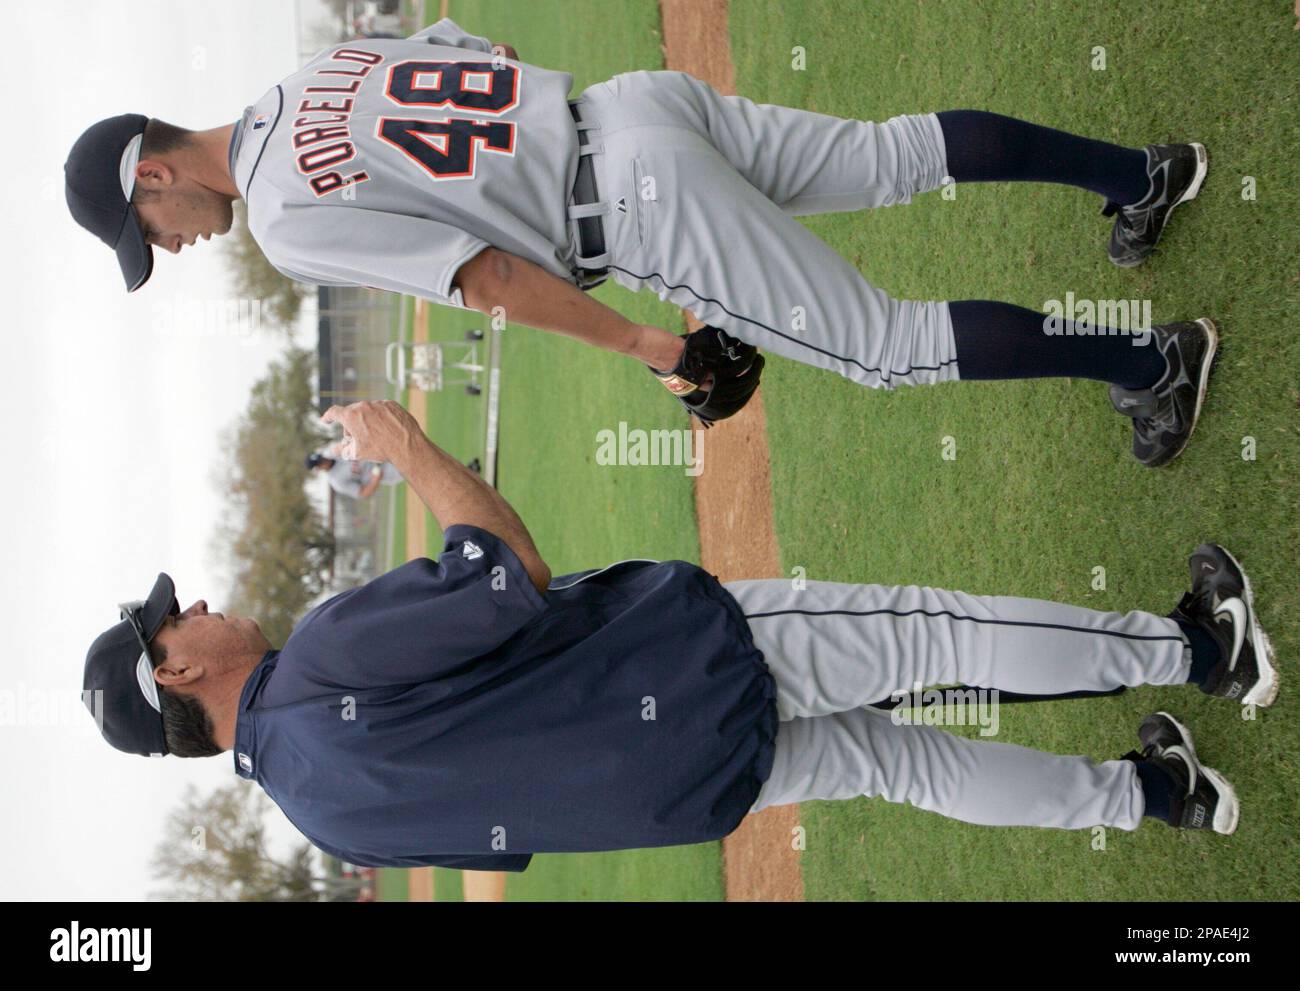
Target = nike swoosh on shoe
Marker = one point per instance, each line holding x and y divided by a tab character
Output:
1235	609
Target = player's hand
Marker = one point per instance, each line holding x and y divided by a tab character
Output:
377	430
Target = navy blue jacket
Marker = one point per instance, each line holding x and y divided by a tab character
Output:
448	714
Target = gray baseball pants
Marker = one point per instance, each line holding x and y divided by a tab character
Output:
833	649
699	192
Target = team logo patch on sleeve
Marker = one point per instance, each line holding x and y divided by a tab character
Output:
260	121
471	550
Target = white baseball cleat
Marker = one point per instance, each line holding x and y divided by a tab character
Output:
1202	797
1222	604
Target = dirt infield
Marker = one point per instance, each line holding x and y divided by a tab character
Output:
733	495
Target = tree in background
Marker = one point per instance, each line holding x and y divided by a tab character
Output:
215	848
275	541
255	277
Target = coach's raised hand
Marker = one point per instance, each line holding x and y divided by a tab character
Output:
374	431
383	430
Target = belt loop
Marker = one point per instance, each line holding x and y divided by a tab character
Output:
580	210
585	219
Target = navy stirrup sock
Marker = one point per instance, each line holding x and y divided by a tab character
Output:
1205	652
1157	785
1003	341
987	147
1157	789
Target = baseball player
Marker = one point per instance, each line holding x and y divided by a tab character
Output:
355	479
471	711
441	167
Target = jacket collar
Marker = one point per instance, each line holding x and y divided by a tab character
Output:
245	749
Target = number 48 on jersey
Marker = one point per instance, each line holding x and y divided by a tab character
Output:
446	147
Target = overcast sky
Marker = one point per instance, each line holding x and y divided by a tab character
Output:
114	403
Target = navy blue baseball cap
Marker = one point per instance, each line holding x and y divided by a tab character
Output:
99	177
118	687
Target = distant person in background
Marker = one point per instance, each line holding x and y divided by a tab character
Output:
360	479
354	479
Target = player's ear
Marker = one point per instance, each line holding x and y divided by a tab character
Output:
151	174
176	669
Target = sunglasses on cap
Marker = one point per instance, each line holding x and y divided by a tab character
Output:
132	612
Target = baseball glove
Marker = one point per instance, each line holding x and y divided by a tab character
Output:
736	368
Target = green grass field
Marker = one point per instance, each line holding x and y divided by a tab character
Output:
1043	489
453	418
390	885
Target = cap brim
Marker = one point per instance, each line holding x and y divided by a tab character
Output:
133	254
144	678
160	604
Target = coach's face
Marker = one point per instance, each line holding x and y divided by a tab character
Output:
175	210
199	642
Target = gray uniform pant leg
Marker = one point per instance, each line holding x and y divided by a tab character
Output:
863	753
705	189
834	648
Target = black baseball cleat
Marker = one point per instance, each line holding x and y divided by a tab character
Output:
1202	797
1176	173
1165	414
1222	604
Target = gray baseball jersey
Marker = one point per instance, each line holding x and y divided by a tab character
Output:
391	162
